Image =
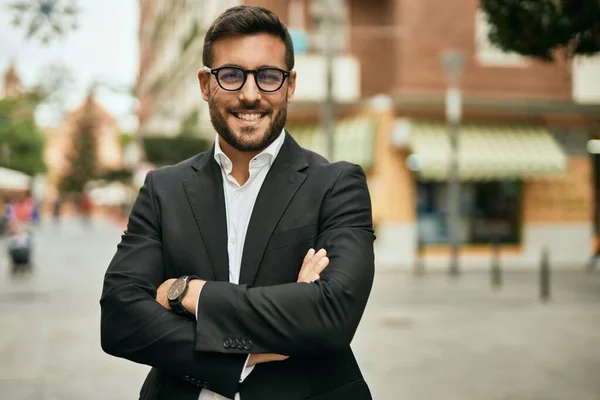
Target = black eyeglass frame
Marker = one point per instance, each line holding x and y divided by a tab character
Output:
215	72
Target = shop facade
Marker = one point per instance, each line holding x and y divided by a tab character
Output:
526	186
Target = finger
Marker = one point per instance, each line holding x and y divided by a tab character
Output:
306	266
311	267
321	253
321	265
314	261
308	256
314	268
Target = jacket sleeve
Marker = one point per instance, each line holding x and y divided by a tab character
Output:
136	327
298	318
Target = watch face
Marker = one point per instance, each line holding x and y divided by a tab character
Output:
176	289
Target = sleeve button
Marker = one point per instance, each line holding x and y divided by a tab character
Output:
227	343
248	345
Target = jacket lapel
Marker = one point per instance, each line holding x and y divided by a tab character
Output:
204	190
280	185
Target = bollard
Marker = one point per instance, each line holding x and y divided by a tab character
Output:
496	272
545	276
420	258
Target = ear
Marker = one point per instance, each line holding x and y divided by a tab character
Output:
291	86
204	80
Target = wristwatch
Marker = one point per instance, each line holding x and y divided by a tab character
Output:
175	295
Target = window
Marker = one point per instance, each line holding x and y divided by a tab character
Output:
486	53
489	212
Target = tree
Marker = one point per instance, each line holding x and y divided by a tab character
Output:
545	29
46	19
82	155
21	142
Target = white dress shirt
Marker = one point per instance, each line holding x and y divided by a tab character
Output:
239	203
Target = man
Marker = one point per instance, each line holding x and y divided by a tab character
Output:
215	283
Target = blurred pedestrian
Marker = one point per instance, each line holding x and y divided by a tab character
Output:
4	210
22	215
56	208
250	211
85	207
23	211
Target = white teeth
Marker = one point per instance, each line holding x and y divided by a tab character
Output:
249	117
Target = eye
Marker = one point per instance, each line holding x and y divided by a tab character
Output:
270	76
230	74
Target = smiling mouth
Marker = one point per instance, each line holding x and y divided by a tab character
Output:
250	117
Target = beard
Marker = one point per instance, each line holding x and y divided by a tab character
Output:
235	140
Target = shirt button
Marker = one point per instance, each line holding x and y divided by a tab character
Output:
237	195
233	241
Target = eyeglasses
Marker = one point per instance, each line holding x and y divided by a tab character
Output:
267	79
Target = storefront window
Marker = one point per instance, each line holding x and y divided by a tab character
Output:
490	211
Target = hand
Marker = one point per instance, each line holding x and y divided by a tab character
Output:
313	265
264	358
190	298
161	293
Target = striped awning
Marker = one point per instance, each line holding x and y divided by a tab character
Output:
354	140
486	152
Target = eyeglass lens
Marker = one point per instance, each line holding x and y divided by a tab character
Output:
268	79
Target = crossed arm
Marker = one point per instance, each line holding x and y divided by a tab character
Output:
291	319
313	264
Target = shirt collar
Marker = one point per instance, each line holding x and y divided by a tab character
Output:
269	154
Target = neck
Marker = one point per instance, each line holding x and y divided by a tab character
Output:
240	161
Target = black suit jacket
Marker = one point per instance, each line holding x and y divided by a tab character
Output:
178	227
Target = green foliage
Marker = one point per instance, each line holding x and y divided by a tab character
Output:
21	142
82	155
171	150
124	139
537	28
190	125
120	175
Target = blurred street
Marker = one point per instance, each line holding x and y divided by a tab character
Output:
421	337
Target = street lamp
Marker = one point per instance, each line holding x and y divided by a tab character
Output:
453	62
329	15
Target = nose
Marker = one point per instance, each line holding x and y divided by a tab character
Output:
250	92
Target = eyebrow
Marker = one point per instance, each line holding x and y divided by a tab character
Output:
261	66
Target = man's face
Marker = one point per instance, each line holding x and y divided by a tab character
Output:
234	114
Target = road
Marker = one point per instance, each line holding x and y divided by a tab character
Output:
422	337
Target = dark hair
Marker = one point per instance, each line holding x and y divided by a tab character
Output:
247	20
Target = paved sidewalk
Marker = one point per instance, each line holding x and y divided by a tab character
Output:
421	337
433	338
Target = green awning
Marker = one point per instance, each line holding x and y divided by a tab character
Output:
354	140
486	151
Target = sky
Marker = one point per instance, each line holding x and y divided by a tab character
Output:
104	47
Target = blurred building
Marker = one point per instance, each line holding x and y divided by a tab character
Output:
11	83
171	36
59	142
527	177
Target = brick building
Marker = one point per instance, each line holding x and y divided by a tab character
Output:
527	178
